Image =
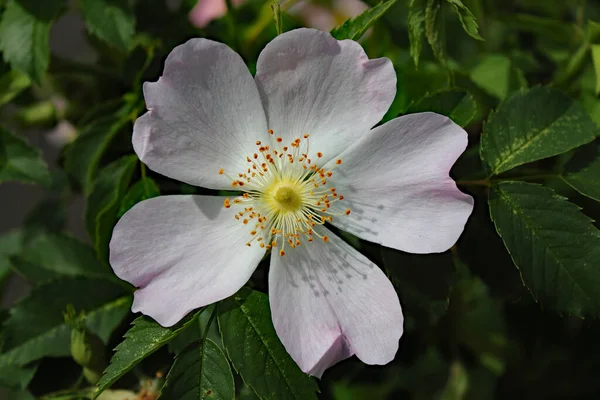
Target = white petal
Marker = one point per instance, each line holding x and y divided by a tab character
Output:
312	84
329	302
183	252
396	183
205	114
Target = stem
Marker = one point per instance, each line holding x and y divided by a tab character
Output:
209	323
143	170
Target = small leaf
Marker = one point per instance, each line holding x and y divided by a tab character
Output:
21	162
416	27
142	339
48	256
434	29
554	245
83	155
496	75
36	326
582	172
467	19
356	27
142	190
12	83
24	41
200	371
459	105
256	352
533	125
112	21
11	244
104	202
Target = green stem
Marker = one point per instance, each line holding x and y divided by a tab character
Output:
143	170
209	323
488	182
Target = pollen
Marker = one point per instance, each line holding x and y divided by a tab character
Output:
285	195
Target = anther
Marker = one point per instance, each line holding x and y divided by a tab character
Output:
221	171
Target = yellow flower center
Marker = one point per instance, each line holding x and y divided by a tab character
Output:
285	195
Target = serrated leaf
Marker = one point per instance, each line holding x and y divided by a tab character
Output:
496	75
142	190
112	21
24	41
459	105
434	29
416	28
142	339
49	256
12	83
36	326
467	19
104	201
255	351
356	27
554	245
21	162
83	155
582	172
533	125
200	371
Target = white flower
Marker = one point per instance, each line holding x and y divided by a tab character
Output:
207	122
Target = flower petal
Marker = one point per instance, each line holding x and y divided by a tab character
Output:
396	183
329	302
204	114
183	252
311	83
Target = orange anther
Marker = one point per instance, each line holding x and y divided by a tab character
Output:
281	253
270	131
279	139
319	154
226	203
338	161
221	171
325	239
348	211
258	142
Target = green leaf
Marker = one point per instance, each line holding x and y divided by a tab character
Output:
15	377
141	190
459	105
24	41
112	21
582	172
12	83
36	326
48	256
356	27
21	162
554	245
104	202
256	352
141	340
416	28
596	59
533	125
467	19
45	10
83	155
497	75
200	371
11	244
434	29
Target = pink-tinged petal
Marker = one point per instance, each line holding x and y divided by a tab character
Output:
207	10
182	252
329	302
311	83
396	183
204	114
